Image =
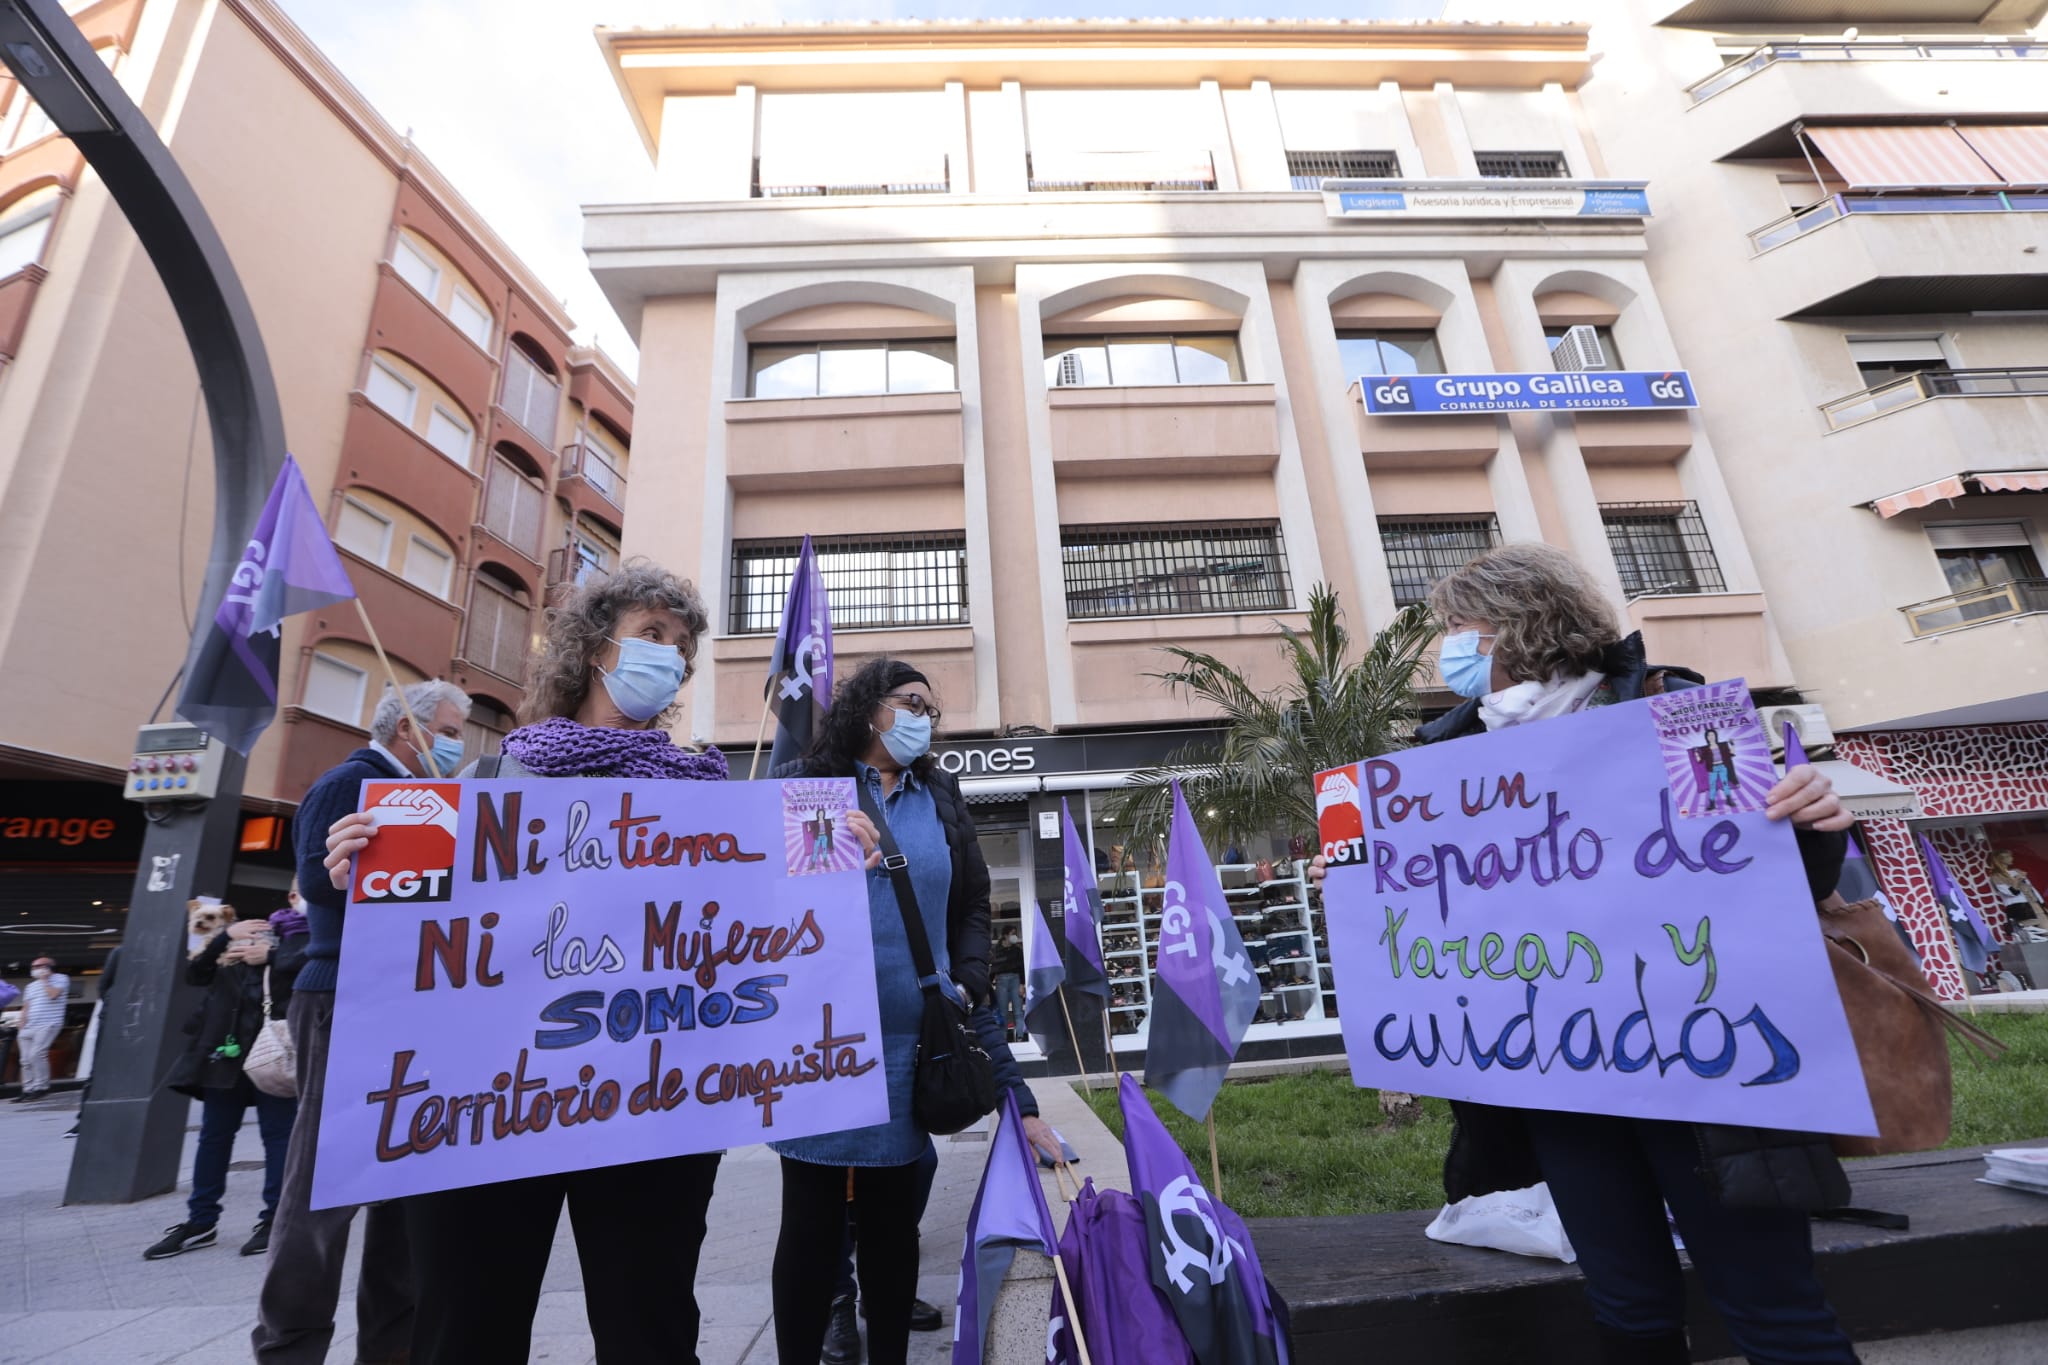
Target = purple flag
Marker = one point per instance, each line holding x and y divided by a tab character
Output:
1009	1212
1859	883
1972	934
1124	1318
290	566
1795	752
1200	1254
800	668
1204	992
1043	977
1083	913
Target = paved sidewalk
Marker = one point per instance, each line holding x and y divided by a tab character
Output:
75	1289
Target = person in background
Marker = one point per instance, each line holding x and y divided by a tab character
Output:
842	1336
232	969
618	651
102	994
1529	637
1007	963
416	735
879	732
43	1002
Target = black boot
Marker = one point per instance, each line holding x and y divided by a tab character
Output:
842	1335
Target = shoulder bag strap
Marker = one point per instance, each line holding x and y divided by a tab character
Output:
266	992
898	868
489	765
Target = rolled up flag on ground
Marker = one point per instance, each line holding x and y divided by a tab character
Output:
1009	1212
800	666
1198	1251
288	566
1972	935
1083	914
1043	976
1125	1319
1204	991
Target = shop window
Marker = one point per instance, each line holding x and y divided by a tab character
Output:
363	531
335	689
1661	547
837	369
24	228
1553	333
1423	551
1174	568
871	581
1308	170
1984	555
1133	361
1391	352
1522	165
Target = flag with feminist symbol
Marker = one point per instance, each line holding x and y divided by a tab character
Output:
800	666
1009	1212
1972	936
288	566
1205	990
1044	974
1083	914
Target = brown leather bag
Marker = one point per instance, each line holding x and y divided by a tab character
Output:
1900	1030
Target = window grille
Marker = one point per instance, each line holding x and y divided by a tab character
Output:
871	581
1309	169
1522	165
1661	547
1174	568
1423	551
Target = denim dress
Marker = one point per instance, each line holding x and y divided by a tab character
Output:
913	818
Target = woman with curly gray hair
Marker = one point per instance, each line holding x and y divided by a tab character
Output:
618	651
1529	637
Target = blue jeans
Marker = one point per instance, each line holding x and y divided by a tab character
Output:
221	1113
1010	1000
927	1171
1612	1177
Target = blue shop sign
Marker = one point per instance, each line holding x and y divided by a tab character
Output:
1554	391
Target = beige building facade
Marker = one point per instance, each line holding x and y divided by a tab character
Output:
1058	338
467	455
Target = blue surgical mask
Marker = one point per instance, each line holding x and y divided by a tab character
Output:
909	739
647	679
447	755
1469	673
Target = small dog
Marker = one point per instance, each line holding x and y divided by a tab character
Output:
203	920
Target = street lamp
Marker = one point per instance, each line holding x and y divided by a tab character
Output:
132	1132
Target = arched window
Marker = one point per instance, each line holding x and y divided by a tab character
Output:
427	269
532	394
405	394
488	724
498	636
515	505
384	533
1141	341
25	228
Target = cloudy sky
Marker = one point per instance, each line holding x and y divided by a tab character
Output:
512	101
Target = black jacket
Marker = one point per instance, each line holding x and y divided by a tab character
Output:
232	1007
338	792
967	930
1746	1167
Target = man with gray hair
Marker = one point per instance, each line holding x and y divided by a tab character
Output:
421	736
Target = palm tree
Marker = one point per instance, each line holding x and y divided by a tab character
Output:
1333	710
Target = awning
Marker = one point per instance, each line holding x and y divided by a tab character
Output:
1960	485
1868	796
2017	151
1917	157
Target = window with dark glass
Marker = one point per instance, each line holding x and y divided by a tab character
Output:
1126	361
1423	551
1308	170
1978	556
871	581
841	369
1880	361
1554	333
1174	568
1522	165
1396	352
1661	547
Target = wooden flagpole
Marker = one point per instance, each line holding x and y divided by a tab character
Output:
1074	1038
761	735
1109	1044
423	743
1215	1168
1059	1269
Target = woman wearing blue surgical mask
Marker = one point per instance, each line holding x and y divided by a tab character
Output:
879	732
618	652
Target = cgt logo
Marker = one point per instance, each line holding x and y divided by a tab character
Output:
412	859
1669	389
1391	395
1339	820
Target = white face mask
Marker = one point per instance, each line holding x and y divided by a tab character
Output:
39	972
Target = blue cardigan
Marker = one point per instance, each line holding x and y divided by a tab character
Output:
337	793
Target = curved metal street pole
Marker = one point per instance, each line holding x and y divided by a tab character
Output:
133	1131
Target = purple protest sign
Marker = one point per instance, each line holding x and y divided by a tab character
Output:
544	975
1527	918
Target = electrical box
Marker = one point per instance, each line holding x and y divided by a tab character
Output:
175	762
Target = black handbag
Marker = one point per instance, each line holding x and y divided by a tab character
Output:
953	1082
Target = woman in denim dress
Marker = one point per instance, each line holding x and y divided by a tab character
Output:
879	732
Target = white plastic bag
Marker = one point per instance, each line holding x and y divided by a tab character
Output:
1522	1221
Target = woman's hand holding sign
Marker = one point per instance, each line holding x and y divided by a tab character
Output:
347	837
1807	798
870	838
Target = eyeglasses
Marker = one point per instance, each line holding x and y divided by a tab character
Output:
915	705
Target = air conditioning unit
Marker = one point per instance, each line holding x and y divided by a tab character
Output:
1579	349
1810	723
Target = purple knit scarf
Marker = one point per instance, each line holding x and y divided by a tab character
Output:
559	747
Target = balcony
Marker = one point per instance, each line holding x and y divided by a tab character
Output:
944	653
590	484
1167	429
1741	14
414	625
1721	633
1113	172
851	442
1960	611
402	321
1914	389
1933	251
378	453
1751	104
828	182
1459	440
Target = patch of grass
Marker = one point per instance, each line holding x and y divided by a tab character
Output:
1312	1143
